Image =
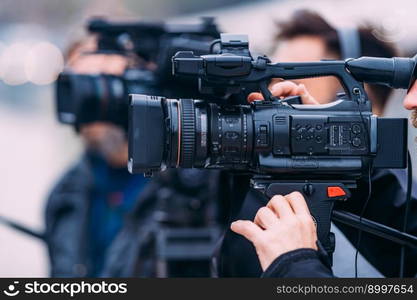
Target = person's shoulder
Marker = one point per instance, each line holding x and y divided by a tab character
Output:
77	176
70	191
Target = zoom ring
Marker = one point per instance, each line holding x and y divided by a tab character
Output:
187	133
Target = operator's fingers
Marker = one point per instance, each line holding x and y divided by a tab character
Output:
255	96
280	89
100	63
85	64
265	218
298	203
306	98
248	229
114	64
285	89
279	204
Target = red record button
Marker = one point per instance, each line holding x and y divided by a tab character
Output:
335	191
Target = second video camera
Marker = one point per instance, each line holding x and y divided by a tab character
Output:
83	98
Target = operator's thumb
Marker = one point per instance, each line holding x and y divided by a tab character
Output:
248	229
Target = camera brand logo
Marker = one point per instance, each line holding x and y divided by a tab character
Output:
11	290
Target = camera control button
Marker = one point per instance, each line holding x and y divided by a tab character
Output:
356	142
335	191
356	129
308	189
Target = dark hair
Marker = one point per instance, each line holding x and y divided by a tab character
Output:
306	22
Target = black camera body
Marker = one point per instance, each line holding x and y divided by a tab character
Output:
146	38
273	136
266	137
318	150
83	98
154	41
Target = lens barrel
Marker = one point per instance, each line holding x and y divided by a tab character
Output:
86	98
195	134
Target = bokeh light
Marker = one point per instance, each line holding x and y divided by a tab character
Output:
35	62
12	61
43	62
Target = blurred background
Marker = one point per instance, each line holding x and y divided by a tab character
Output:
35	149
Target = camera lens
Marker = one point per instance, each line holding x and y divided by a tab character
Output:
85	98
88	98
195	134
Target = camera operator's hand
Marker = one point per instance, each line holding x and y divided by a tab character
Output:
285	89
283	225
99	63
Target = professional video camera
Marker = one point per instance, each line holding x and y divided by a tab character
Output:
87	98
318	150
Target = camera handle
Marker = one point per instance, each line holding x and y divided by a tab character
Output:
320	196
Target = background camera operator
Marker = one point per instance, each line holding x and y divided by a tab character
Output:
121	224
307	30
86	208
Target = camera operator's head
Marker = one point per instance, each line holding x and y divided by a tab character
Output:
103	138
309	37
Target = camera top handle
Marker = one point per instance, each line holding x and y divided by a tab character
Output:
229	69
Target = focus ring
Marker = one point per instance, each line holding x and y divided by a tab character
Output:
187	133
